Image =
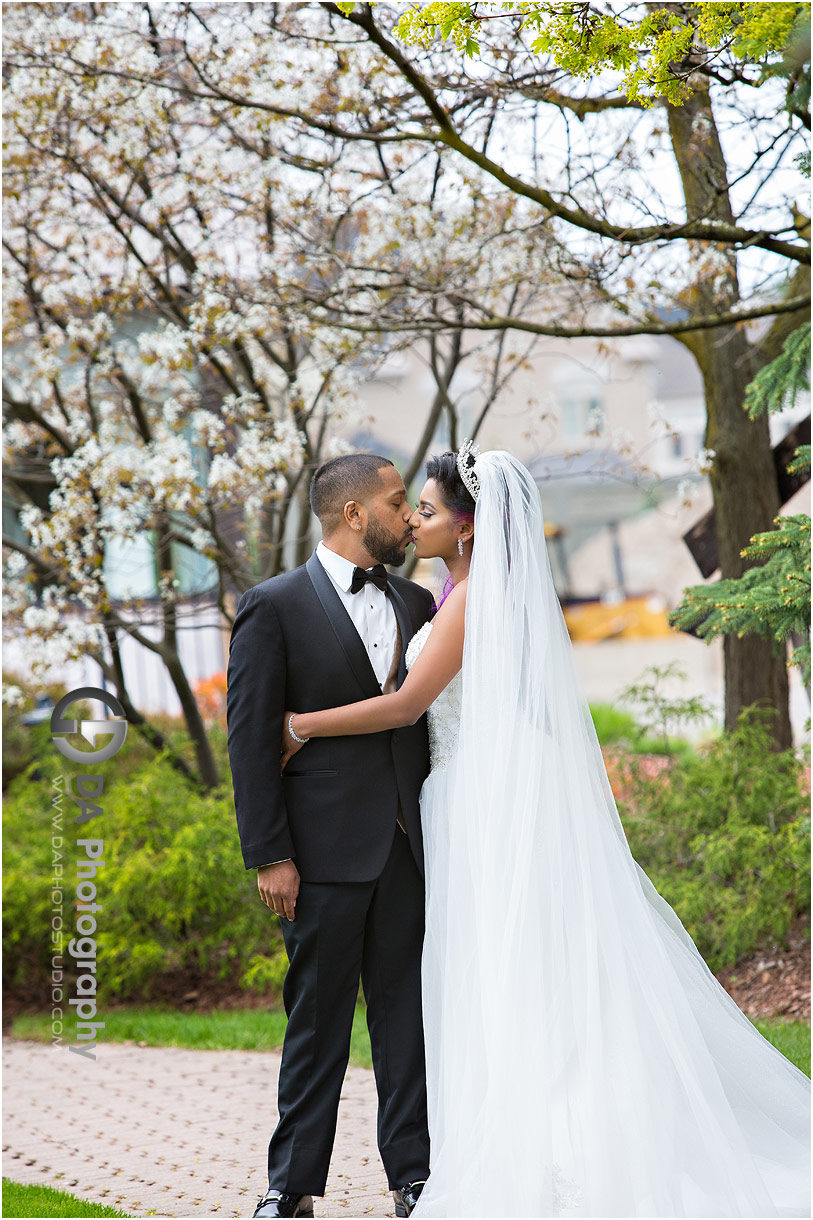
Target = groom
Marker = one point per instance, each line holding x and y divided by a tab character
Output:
336	838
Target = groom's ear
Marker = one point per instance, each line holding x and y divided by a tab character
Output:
354	514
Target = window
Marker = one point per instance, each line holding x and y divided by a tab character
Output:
580	415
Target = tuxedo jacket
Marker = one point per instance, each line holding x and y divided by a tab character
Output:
334	808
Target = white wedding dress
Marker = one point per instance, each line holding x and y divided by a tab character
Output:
581	1058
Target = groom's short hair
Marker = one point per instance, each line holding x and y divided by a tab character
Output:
353	476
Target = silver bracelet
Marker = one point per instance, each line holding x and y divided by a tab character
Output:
301	740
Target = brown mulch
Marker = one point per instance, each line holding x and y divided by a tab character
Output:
771	983
774	982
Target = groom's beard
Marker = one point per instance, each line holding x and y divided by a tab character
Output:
383	546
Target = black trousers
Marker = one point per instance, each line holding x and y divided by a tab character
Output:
343	931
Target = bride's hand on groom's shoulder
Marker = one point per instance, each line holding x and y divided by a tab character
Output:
289	746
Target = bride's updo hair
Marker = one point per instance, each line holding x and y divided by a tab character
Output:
455	494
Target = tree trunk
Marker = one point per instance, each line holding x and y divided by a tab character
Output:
207	767
746	500
743	480
303	546
114	672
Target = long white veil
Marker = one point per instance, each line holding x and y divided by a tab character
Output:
581	1057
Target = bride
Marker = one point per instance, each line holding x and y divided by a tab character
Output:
582	1060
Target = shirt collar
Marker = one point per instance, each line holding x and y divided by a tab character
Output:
337	566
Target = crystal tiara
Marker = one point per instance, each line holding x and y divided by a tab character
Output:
466	451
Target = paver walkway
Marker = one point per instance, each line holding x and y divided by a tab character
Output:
171	1132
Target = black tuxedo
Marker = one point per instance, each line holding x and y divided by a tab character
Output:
294	646
359	913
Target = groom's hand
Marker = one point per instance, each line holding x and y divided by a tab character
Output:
279	887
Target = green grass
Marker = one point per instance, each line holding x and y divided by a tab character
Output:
616	727
258	1030
237	1029
792	1038
21	1200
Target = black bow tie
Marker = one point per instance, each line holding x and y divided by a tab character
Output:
376	576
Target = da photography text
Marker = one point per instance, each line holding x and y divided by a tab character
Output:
86	791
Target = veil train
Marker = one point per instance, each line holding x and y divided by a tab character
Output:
582	1060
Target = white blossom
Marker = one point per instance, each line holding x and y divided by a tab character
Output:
15	564
13	696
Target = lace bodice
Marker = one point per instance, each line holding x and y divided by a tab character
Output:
443	716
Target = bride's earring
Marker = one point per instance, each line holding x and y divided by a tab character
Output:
460	546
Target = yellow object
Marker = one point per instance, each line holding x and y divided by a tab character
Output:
630	618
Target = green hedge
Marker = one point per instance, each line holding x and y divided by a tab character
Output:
176	898
724	834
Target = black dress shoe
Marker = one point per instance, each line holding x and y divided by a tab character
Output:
406	1197
279	1203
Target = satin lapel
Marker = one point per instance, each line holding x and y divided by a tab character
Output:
342	625
405	625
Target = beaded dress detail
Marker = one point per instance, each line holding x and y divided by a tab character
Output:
443	716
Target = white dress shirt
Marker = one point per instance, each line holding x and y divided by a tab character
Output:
370	612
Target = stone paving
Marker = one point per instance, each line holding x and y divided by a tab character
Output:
165	1131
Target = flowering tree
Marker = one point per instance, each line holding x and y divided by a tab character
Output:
173	262
221	217
667	185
